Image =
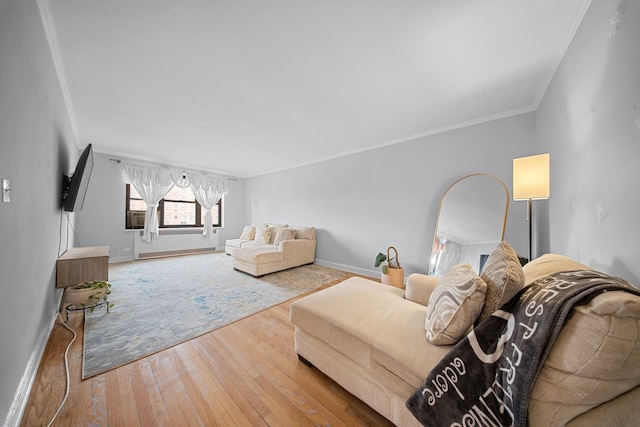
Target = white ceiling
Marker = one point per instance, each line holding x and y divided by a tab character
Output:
249	87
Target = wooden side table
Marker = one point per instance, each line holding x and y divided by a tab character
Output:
79	265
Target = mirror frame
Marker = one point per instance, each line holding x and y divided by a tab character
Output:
506	210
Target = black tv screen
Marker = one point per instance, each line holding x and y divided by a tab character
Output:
75	188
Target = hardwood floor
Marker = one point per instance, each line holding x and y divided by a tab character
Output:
244	374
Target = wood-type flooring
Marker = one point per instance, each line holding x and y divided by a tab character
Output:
243	374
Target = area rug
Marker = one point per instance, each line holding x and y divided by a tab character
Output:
163	302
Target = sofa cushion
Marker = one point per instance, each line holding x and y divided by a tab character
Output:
419	288
595	358
263	234
248	232
252	243
504	277
308	233
235	243
454	305
547	264
372	324
259	254
284	233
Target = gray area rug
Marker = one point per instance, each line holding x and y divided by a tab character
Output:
163	302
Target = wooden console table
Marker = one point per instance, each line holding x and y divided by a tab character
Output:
79	265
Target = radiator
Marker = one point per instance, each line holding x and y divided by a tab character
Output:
174	242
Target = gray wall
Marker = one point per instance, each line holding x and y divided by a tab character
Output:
38	147
589	122
365	202
102	220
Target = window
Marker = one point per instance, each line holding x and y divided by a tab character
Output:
179	208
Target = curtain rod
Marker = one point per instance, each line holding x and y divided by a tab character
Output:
120	161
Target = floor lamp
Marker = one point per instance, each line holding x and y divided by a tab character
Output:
531	182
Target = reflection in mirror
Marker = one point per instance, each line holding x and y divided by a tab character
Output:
471	222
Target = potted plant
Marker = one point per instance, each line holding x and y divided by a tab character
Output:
88	294
392	273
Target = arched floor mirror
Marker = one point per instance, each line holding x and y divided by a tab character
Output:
471	221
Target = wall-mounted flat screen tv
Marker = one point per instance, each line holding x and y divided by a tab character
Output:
75	186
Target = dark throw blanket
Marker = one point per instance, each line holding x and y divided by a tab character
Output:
487	378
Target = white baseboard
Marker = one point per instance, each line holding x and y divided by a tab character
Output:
349	268
121	259
28	377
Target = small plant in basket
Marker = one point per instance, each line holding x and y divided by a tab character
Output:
88	294
392	273
380	258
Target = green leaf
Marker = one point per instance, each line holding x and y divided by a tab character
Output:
380	258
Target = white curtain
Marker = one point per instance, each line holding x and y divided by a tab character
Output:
208	191
152	183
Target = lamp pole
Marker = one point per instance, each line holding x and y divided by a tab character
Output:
530	219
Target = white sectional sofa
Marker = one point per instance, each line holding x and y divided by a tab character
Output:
267	248
370	338
248	237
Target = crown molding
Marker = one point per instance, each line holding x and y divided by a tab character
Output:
54	46
580	11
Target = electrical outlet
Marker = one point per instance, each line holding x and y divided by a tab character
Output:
6	191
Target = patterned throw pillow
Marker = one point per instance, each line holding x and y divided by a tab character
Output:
263	234
284	234
248	232
454	305
504	278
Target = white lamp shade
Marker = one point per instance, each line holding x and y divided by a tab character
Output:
531	177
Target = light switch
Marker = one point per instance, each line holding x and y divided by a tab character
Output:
6	191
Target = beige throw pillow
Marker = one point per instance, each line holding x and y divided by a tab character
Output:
263	234
454	305
248	232
274	230
504	278
284	234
